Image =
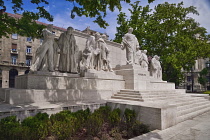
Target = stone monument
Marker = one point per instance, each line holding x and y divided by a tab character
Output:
68	52
130	85
131	44
44	54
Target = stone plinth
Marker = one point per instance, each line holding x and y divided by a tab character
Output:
136	78
97	80
58	87
156	116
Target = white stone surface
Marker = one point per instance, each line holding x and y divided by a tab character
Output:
138	78
98	80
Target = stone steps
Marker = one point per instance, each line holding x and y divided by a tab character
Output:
183	102
189	105
192	114
193	108
128	95
126	98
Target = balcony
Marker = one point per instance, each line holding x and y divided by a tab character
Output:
29	54
14	51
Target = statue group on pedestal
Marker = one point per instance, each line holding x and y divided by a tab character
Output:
62	53
136	56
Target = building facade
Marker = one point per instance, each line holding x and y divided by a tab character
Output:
17	54
190	81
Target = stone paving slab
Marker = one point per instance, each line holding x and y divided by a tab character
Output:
197	128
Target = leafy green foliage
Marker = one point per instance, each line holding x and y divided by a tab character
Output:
169	32
104	123
114	117
63	125
37	126
202	78
90	8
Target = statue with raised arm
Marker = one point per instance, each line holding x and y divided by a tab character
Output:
131	44
44	54
68	52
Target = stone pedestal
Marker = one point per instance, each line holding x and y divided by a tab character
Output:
58	87
136	78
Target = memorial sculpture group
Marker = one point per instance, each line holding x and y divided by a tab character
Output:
68	72
62	54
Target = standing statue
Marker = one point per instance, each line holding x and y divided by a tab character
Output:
99	52
156	69
44	54
131	44
68	52
106	59
88	52
144	60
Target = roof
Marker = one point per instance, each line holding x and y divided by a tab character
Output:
18	16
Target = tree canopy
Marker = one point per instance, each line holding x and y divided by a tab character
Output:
89	8
169	32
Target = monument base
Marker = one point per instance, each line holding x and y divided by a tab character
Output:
61	87
137	78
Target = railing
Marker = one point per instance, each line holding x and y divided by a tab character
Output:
28	53
14	51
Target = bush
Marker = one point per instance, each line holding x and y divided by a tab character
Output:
63	125
207	92
103	124
94	123
114	117
9	128
37	127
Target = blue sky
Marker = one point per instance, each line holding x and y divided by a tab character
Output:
60	9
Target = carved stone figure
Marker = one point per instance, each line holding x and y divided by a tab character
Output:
44	54
144	60
99	52
88	52
138	57
68	52
156	69
95	55
131	44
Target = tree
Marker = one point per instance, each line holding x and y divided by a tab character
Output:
202	78
88	8
170	33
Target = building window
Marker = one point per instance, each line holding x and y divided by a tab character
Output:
28	49
14	36
28	39
189	78
14	47
208	65
188	87
208	78
14	59
28	62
